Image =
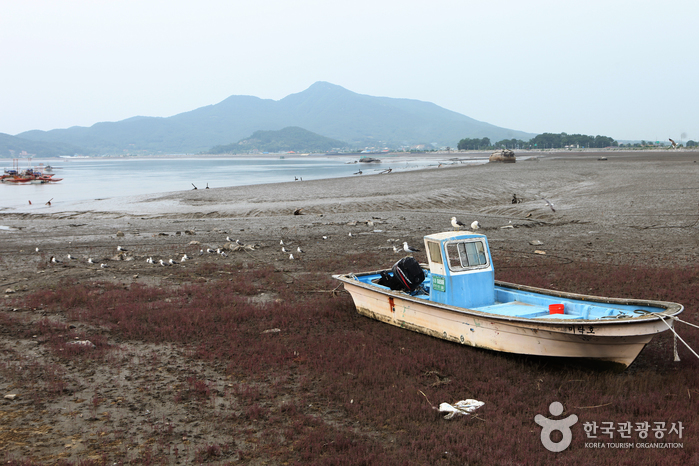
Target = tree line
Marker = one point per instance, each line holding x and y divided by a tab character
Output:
541	141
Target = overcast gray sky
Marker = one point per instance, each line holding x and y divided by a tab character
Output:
624	69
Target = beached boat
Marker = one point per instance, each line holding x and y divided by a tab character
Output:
459	300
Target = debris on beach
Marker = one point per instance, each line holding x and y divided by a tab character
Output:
86	343
463	408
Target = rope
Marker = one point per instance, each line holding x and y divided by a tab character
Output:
677	357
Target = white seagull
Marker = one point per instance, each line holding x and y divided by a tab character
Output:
299	249
475	226
119	248
184	258
291	256
407	248
70	257
163	263
456	223
54	260
223	254
550	204
210	251
239	243
228	238
284	249
395	249
104	266
281	241
90	261
172	262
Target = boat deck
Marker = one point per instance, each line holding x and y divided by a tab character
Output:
508	302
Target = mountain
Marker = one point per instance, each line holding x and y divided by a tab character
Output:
325	109
291	138
13	146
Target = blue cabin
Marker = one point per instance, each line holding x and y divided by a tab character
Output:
461	269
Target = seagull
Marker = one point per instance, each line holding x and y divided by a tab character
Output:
194	186
550	204
674	144
70	257
223	254
281	242
358	173
456	223
55	261
228	238
350	233
325	237
475	226
184	258
210	251
90	261
207	185
395	249
150	260
407	248
172	262
299	249
239	243
201	252
104	266
119	248
291	256
163	263
36	249
284	249
219	250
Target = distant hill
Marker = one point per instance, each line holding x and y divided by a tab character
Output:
291	138
325	109
33	148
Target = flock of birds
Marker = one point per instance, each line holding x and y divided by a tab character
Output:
455	223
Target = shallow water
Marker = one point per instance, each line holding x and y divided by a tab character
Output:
107	178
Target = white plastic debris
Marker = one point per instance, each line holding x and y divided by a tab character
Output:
463	407
87	343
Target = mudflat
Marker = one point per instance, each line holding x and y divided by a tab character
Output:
618	207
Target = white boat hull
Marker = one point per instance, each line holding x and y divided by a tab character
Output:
617	342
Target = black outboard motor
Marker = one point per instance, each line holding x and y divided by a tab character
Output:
407	275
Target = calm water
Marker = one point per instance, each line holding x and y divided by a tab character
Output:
103	178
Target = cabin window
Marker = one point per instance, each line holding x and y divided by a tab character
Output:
435	253
466	255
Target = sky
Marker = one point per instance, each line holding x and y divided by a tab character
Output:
623	69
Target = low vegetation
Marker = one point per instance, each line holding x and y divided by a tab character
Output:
308	381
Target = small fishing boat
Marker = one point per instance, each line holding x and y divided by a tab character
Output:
455	297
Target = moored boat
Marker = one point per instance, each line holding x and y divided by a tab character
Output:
459	300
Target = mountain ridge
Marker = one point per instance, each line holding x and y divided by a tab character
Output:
324	108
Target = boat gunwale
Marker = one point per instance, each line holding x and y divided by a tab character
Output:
671	309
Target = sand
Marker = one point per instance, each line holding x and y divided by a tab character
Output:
632	208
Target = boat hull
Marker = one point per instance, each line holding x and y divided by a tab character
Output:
618	342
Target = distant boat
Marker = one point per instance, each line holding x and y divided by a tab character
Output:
456	298
368	160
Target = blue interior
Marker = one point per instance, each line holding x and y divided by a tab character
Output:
524	304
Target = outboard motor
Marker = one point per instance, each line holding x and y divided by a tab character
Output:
407	275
